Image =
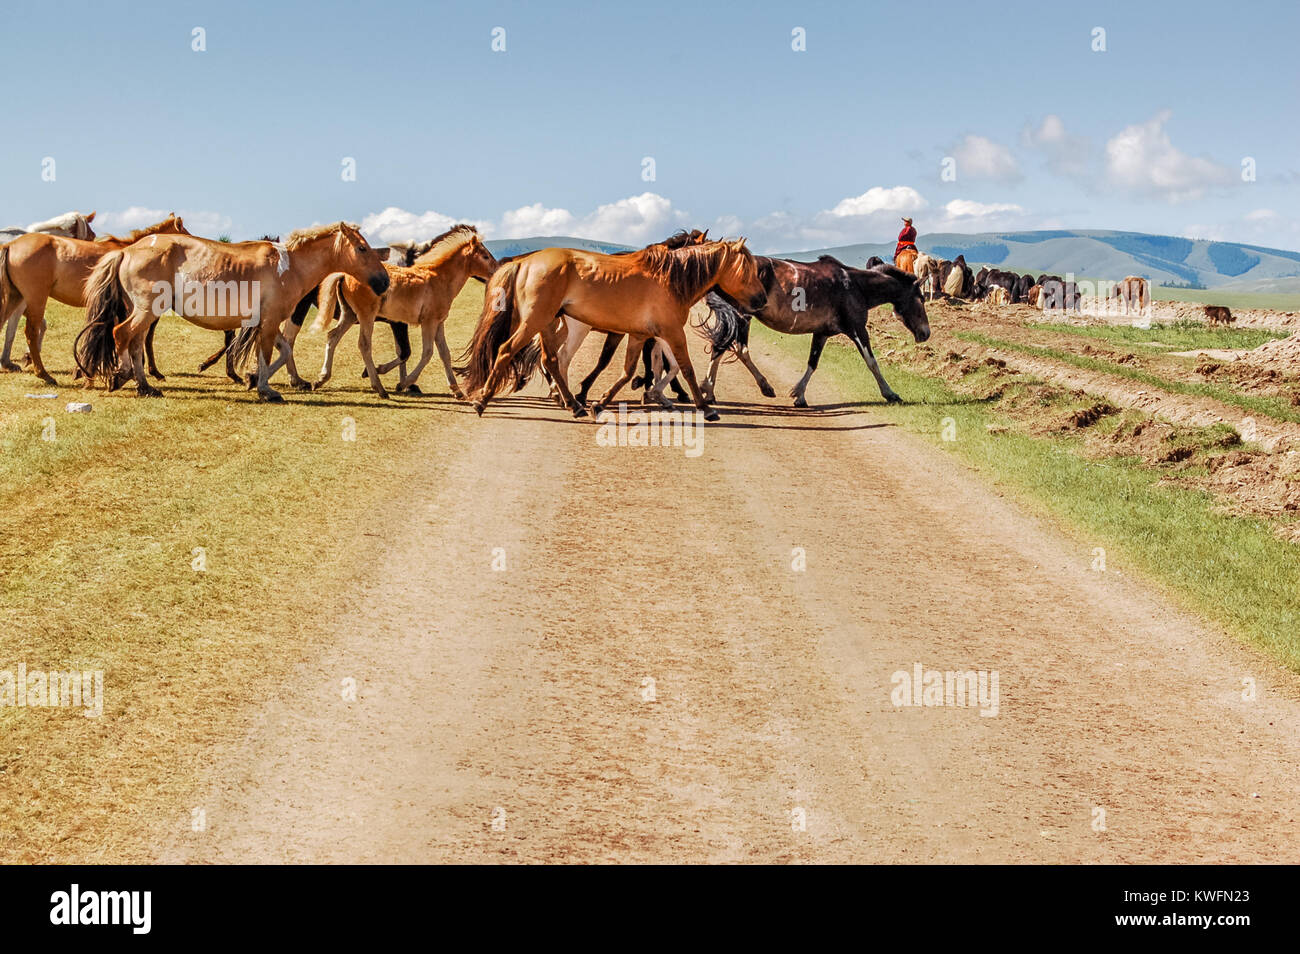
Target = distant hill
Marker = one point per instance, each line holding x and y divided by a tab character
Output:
1165	259
503	247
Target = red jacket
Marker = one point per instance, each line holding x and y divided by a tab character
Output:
905	238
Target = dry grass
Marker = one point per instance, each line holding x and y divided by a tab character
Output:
101	525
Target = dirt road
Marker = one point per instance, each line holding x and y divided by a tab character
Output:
507	714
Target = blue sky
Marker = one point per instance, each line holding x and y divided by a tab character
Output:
797	149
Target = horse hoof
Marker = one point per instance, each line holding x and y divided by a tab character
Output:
800	401
49	379
596	409
414	390
892	398
768	391
711	415
271	397
458	395
9	366
157	376
148	391
478	408
579	411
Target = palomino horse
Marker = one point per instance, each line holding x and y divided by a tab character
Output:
253	286
645	294
39	266
69	225
822	298
400	253
419	295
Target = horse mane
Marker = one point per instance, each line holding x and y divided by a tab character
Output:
299	237
444	246
830	260
141	233
686	270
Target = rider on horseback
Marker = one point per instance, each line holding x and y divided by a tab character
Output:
906	238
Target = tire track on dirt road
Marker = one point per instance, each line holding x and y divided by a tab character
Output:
521	695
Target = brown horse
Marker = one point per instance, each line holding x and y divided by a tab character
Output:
906	260
645	294
39	266
419	295
221	286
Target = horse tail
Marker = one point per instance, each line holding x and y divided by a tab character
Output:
495	325
106	306
244	345
327	302
6	286
723	323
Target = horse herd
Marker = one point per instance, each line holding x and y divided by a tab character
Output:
537	308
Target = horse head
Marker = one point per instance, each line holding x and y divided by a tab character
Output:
910	306
360	260
738	276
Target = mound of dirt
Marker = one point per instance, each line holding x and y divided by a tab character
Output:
1282	355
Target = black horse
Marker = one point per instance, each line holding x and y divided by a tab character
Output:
822	298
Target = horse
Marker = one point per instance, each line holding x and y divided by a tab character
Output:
1134	292
929	274
419	295
69	225
835	300
38	266
873	261
645	294
577	333
249	285
400	253
906	259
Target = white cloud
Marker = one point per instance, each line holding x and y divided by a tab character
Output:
1141	157
964	215
1066	154
632	221
398	225
201	223
536	219
876	200
981	158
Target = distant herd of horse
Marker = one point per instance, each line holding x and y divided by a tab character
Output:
537	309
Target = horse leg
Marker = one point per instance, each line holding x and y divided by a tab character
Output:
612	341
148	351
216	355
674	336
347	318
814	355
266	342
630	359
559	374
129	338
406	383
11	331
665	370
34	328
285	342
576	334
864	349
367	329
742	352
444	353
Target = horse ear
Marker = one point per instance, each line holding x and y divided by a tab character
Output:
91	217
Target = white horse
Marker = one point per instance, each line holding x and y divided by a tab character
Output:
69	224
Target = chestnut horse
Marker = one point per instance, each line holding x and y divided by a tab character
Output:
645	294
822	298
39	266
252	286
419	295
